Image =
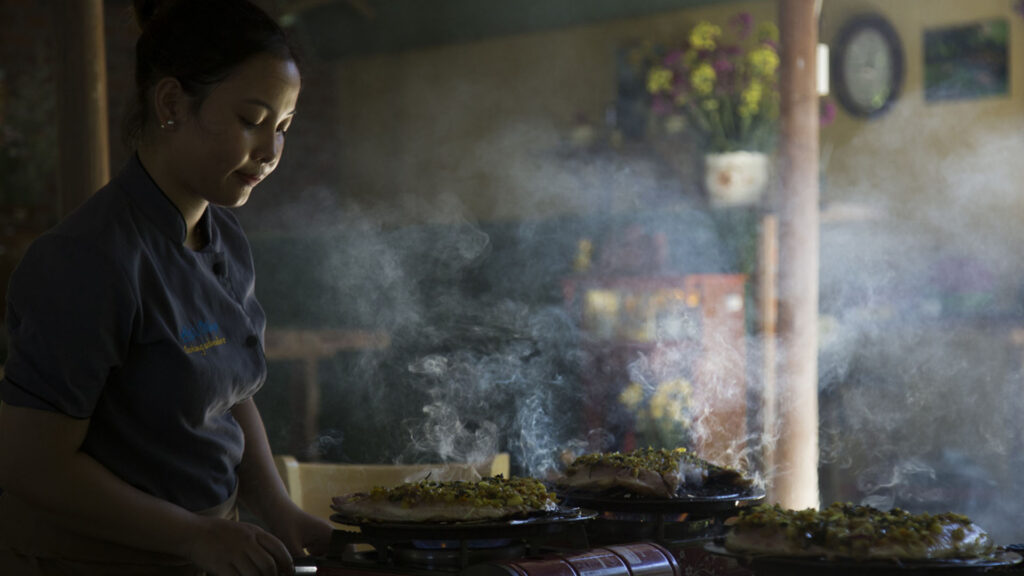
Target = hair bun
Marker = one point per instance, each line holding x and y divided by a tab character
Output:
145	10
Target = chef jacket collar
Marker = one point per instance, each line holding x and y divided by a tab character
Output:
151	200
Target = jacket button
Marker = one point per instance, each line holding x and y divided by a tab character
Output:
252	340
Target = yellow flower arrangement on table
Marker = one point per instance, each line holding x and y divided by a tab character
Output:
724	93
661	412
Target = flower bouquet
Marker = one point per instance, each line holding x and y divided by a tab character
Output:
721	91
661	413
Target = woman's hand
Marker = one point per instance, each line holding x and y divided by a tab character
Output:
230	548
302	532
262	490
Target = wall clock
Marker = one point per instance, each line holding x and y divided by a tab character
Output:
867	65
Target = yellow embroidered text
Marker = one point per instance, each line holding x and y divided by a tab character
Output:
205	346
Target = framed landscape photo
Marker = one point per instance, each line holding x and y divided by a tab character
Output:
967	61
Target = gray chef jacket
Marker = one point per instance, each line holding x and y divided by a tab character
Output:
111	318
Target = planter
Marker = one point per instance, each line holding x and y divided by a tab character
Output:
735	178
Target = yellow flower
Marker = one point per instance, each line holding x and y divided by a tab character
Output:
763	61
680	387
658	407
703	79
632	395
725	83
703	36
767	32
677	388
750	99
670	401
675	408
659	79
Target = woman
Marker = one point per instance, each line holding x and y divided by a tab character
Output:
128	427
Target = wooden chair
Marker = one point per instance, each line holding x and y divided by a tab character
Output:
312	485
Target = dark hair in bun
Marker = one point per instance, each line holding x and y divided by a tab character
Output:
144	10
198	42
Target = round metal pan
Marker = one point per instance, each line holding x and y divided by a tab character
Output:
693	504
763	565
475	530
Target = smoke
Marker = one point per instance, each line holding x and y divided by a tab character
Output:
492	382
920	299
486	353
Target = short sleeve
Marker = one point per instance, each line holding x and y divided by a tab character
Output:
69	316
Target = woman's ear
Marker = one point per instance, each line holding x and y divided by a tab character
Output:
169	102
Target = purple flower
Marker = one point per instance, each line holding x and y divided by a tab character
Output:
828	111
1018	7
674	56
744	24
661	105
723	65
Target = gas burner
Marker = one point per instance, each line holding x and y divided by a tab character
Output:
451	546
672	522
453	555
672	528
635	559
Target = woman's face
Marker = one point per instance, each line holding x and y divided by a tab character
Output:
235	139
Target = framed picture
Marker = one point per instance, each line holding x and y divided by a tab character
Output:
969	61
868	65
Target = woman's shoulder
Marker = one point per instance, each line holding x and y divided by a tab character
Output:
63	258
103	220
89	234
96	212
100	233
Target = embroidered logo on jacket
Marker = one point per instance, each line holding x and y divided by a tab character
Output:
201	336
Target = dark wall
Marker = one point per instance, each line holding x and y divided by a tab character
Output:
341	29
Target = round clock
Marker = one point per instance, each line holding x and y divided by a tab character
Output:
867	65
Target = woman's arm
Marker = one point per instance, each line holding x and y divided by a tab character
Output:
41	462
262	490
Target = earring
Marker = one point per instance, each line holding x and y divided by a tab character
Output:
163	125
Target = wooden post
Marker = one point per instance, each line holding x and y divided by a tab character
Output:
796	476
81	82
768	305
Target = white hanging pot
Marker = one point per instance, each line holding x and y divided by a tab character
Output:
735	178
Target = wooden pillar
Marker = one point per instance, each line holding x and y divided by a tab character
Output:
767	283
796	475
81	83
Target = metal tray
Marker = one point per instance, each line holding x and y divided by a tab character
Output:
475	529
693	504
765	565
